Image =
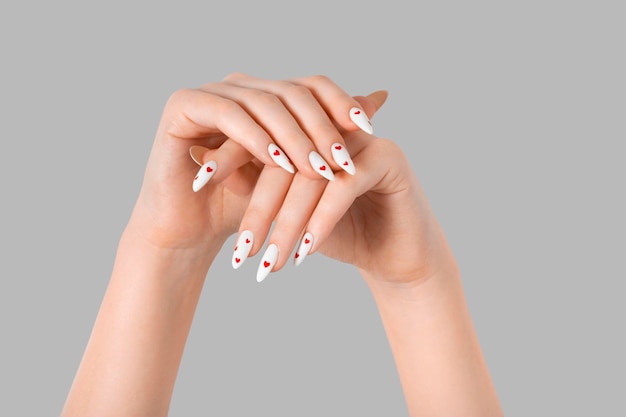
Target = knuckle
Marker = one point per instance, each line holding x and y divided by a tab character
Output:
320	79
258	215
209	86
262	98
224	107
297	91
234	76
179	96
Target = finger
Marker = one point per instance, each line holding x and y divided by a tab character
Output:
241	180
349	114
309	115
296	209
281	124
267	197
218	164
196	114
373	101
341	194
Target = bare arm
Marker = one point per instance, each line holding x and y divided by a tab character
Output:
179	223
132	358
439	360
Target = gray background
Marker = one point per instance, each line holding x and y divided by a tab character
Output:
513	116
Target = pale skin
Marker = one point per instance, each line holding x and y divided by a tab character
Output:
130	364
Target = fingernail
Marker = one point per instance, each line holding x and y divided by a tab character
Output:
242	248
342	157
360	119
278	155
320	166
303	250
267	262
204	175
197	152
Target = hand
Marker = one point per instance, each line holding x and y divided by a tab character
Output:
238	121
378	219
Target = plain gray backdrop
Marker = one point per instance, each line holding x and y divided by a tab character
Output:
513	115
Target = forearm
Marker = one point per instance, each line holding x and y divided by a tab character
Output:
131	361
440	364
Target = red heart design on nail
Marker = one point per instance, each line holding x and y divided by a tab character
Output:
338	147
357	112
297	255
266	264
345	163
247	240
323	168
307	241
276	152
237	260
209	169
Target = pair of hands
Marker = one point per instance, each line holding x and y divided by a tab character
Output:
291	153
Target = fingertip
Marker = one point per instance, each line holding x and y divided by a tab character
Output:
267	262
371	104
281	159
203	176
197	153
303	249
342	158
320	166
360	118
378	98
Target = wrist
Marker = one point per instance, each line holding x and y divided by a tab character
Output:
175	264
172	235
422	287
435	267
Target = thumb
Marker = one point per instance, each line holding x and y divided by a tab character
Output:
372	102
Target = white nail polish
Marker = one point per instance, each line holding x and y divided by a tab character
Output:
242	248
320	166
342	158
204	175
303	250
360	119
267	262
278	155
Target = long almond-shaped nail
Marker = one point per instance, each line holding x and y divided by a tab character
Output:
267	262
320	166
303	250
360	119
204	175
278	155
242	248
342	158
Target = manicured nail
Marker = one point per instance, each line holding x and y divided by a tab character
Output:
204	175
360	119
267	262
242	248
342	157
197	152
303	250
278	155
321	166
